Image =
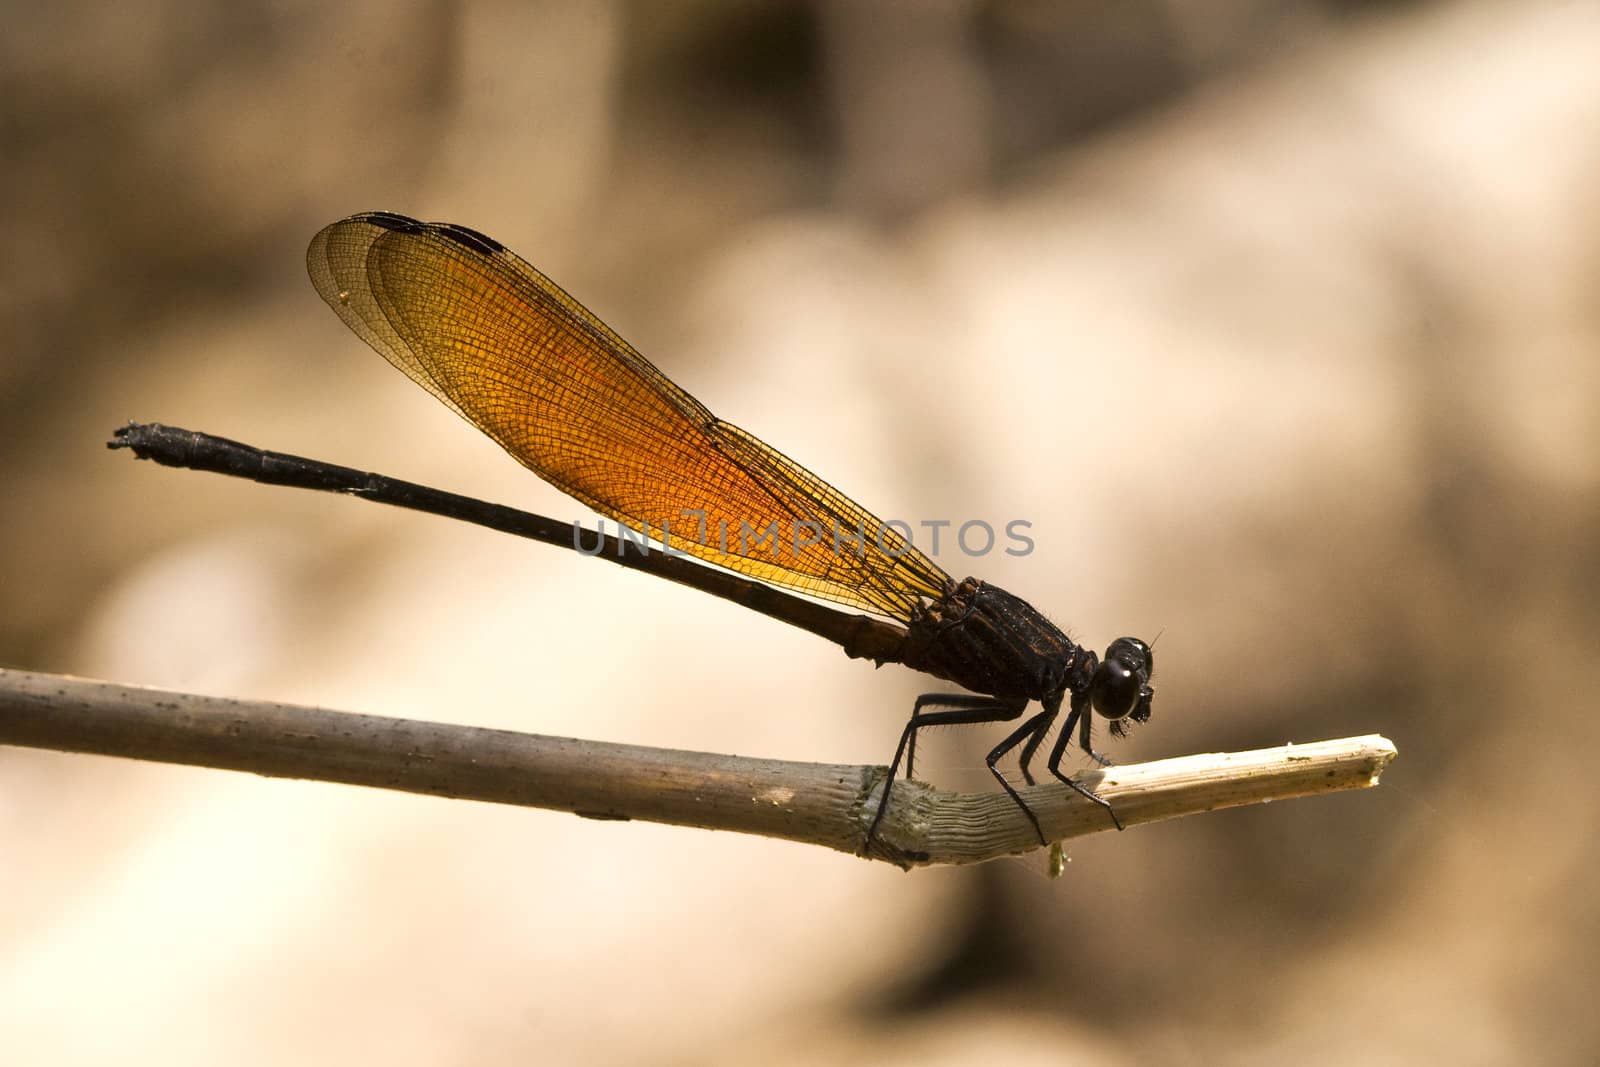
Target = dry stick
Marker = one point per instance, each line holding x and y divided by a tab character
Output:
815	803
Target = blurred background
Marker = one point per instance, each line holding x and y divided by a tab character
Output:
1275	318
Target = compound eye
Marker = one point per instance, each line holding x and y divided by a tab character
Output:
1121	683
1115	689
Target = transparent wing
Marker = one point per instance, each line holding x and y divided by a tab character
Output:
515	355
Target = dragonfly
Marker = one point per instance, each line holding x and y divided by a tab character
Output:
514	354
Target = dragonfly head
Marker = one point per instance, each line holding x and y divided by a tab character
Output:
1120	689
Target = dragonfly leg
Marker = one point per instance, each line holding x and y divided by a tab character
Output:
1040	725
1034	731
961	709
1084	726
1080	716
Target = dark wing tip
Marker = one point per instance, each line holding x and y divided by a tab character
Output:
398	223
471	238
388	220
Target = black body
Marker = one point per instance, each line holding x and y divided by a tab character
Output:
975	635
985	639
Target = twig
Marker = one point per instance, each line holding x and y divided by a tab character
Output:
820	804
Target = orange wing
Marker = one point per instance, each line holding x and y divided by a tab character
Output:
520	359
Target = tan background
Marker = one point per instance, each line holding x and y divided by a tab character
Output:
1276	318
